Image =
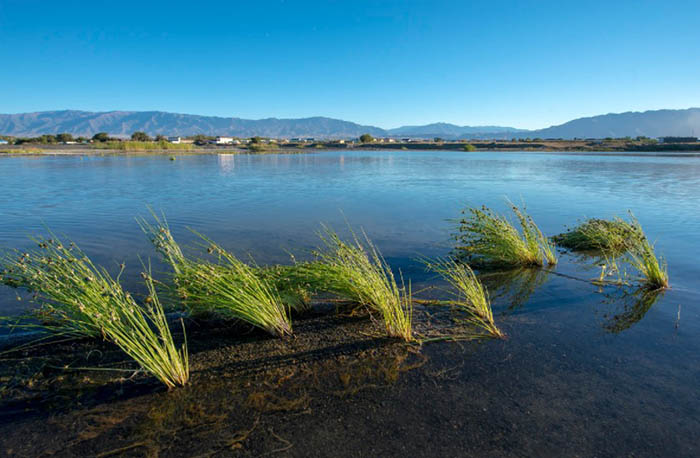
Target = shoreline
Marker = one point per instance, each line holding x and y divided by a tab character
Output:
559	146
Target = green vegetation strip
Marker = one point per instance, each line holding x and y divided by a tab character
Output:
79	299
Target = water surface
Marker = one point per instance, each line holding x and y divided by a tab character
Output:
587	371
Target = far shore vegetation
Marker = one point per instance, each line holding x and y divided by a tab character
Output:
143	142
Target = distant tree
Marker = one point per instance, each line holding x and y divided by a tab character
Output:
64	137
366	138
438	140
140	137
160	138
47	139
81	140
469	147
255	140
101	137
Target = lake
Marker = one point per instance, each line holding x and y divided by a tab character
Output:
585	370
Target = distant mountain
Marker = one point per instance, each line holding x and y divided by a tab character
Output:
659	123
444	130
124	123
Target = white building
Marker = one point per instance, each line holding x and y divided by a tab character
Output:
224	140
3	142
175	139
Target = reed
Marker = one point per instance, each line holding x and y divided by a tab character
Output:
472	296
292	286
487	238
608	236
229	288
77	298
358	272
654	270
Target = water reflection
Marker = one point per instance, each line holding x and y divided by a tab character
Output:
514	287
632	306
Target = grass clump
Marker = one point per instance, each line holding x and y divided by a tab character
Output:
609	236
229	288
78	299
654	271
472	296
358	272
487	238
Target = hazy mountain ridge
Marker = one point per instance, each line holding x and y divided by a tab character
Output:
653	123
449	130
123	123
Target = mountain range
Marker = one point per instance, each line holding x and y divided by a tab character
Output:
123	123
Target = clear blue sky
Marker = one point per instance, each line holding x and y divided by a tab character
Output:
526	64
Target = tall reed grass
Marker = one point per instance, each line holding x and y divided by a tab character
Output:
228	288
472	296
358	272
77	298
487	238
654	270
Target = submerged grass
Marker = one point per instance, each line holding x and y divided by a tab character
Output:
358	272
472	296
77	298
615	239
487	238
608	236
229	288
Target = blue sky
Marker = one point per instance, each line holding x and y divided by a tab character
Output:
389	63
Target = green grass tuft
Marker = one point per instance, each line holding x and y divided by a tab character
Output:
229	288
357	271
608	236
654	271
76	298
487	238
472	296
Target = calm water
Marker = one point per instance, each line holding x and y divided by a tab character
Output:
634	379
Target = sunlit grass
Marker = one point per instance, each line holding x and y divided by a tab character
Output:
612	237
654	271
357	271
472	296
485	237
77	298
228	288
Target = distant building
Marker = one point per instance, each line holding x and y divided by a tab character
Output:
224	140
175	139
678	139
3	142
